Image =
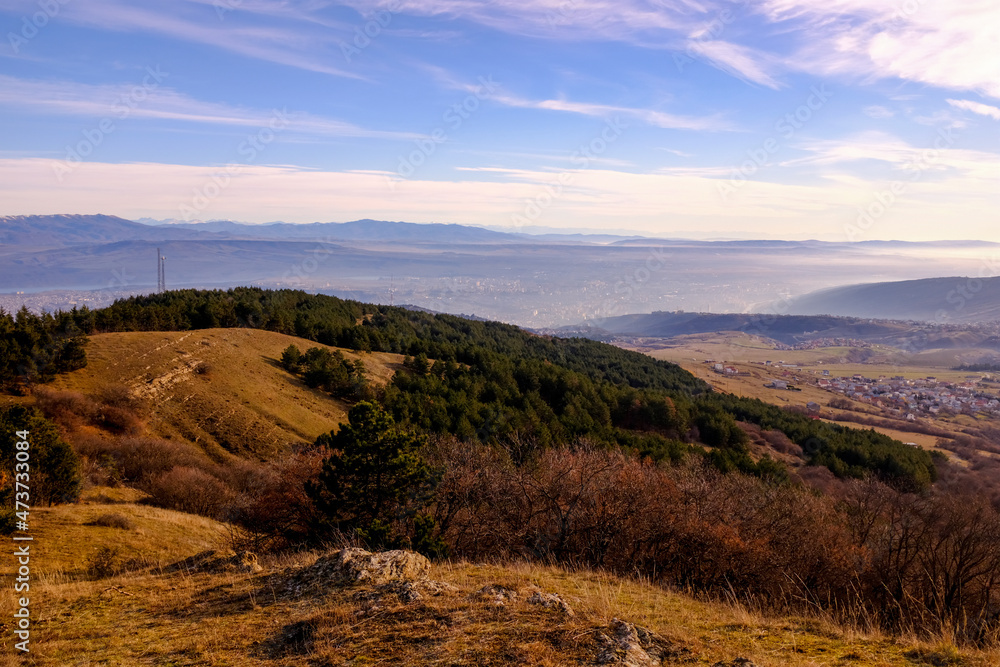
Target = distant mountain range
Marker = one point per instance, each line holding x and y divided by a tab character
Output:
53	231
941	300
542	280
60	231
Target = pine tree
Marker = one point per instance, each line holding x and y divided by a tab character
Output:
375	477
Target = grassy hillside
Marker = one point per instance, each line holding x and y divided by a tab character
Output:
155	615
218	387
556	451
953	299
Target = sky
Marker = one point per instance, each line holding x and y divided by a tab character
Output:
840	120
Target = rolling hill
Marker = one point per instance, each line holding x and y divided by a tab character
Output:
912	336
219	388
941	300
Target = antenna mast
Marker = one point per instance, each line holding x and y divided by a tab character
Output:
161	272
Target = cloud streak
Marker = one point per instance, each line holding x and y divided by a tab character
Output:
977	108
648	116
113	100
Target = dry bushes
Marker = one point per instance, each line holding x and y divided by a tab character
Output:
136	460
868	555
113	520
272	507
113	409
932	562
191	490
687	525
177	475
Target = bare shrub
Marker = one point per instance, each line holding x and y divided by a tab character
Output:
121	397
113	409
67	408
190	490
271	504
113	520
139	459
104	563
781	443
119	421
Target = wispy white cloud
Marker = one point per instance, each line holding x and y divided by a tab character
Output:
559	19
949	45
292	44
976	107
878	112
740	61
714	123
938	155
163	103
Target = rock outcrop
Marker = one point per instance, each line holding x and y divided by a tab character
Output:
349	567
551	601
496	595
632	646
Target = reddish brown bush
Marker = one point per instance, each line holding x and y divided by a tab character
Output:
135	460
113	409
190	490
271	504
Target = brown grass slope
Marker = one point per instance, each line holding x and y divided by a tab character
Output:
152	614
218	387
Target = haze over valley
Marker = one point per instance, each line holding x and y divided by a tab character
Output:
534	281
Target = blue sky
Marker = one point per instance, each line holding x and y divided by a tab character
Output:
838	120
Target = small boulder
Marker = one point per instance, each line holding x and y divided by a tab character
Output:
351	566
403	591
634	646
496	595
551	601
348	567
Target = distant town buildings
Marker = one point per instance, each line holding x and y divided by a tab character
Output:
920	396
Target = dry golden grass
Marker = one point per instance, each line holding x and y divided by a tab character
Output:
245	402
156	616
